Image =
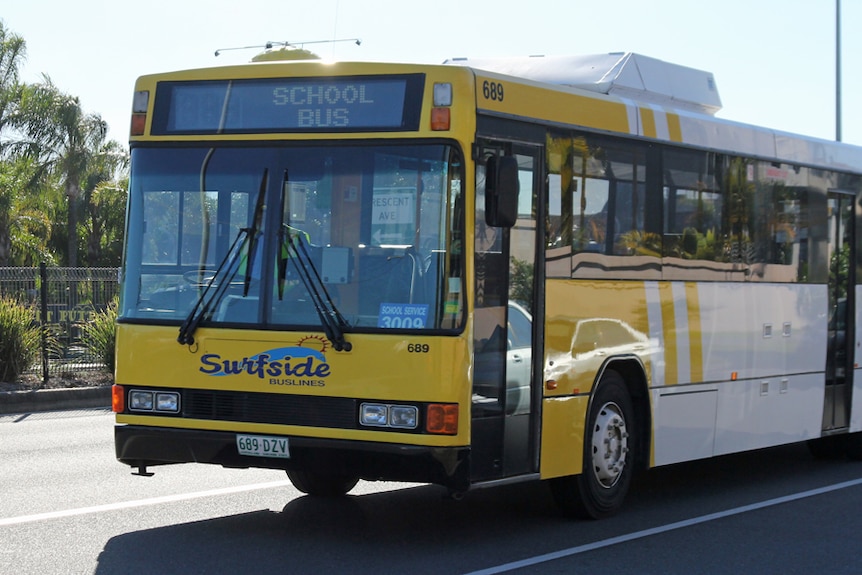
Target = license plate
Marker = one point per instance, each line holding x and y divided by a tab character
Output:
262	446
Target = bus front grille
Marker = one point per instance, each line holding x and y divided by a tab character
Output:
275	408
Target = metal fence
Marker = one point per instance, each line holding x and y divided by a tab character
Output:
62	299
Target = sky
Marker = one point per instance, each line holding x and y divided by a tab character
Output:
774	61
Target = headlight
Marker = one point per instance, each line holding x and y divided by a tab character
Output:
403	416
168	402
373	414
386	415
154	401
141	400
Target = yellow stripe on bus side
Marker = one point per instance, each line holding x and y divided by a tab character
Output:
648	122
674	127
671	368
694	332
559	106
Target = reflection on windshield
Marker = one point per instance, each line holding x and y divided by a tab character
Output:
241	254
375	225
331	319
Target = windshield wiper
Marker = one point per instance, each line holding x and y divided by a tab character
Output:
254	232
214	291
331	319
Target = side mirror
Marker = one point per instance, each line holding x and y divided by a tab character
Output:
501	191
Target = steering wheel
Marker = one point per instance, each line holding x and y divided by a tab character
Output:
199	277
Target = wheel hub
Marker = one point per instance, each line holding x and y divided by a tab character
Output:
609	444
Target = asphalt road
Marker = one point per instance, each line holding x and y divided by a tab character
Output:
66	506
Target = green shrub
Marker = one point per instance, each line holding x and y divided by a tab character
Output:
100	335
20	339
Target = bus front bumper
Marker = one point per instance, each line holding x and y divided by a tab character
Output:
142	446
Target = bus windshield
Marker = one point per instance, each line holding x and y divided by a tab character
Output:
284	236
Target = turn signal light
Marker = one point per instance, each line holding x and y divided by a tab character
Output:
439	119
139	122
442	418
140	103
118	398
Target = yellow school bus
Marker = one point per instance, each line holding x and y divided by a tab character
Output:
479	272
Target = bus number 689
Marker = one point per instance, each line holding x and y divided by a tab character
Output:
492	91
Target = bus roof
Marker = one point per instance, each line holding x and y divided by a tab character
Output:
625	75
690	95
681	101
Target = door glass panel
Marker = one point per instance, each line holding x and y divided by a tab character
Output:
520	307
835	408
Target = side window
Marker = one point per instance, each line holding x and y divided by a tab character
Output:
730	218
608	197
780	240
623	210
596	210
694	209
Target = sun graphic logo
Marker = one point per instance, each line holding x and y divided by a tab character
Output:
315	342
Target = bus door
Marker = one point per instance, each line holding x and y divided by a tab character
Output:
840	351
504	408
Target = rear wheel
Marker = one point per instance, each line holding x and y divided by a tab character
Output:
323	484
600	489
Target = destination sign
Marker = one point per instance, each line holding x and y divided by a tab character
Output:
288	105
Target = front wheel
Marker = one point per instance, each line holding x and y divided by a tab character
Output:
601	487
322	484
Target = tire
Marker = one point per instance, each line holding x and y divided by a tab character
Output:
322	484
609	441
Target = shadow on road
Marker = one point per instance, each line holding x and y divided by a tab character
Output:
411	530
418	530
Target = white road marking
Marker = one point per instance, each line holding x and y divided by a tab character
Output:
529	562
139	503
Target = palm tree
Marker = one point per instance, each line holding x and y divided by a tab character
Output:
12	52
64	141
46	141
26	217
104	205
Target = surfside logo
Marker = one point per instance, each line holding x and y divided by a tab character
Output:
302	365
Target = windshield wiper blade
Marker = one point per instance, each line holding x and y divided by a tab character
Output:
211	294
282	230
254	231
331	319
214	290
